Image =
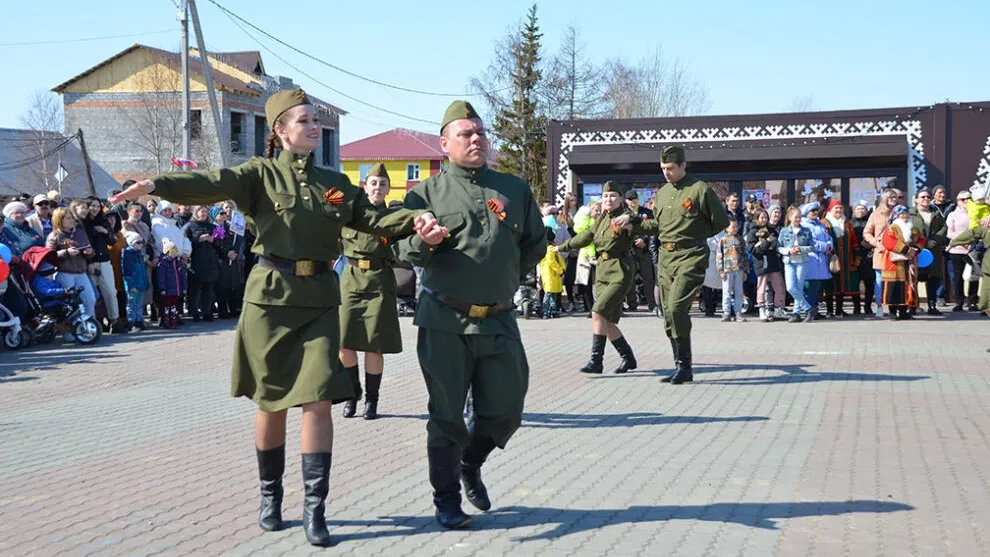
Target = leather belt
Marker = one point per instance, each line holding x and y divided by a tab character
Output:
366	264
606	255
299	268
472	310
677	246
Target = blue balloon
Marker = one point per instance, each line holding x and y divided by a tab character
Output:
5	253
925	258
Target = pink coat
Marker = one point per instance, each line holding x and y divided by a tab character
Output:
958	222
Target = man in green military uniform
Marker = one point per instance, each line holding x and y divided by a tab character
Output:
970	237
686	213
468	336
614	279
369	314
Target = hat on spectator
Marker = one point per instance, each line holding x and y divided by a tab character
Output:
39	198
168	245
862	203
53	195
809	207
631	194
14	207
978	191
964	194
133	238
162	205
751	198
832	205
896	212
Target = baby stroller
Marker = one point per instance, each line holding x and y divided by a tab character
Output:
57	309
14	335
405	282
527	297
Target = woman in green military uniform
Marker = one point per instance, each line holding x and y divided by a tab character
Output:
369	316
613	279
287	340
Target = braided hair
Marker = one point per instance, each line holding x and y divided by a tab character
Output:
274	142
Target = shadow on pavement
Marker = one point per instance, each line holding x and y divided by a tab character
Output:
579	421
790	373
573	521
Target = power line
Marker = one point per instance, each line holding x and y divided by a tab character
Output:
338	68
63	41
341	93
13	165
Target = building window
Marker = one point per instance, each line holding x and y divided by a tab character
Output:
363	171
260	136
822	191
329	142
195	124
412	172
236	132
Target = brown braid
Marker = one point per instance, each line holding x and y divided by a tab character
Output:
273	143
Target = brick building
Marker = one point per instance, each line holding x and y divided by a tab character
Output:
130	108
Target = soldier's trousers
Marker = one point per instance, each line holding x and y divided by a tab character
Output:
680	275
647	272
494	367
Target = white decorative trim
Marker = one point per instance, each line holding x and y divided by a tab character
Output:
983	169
910	129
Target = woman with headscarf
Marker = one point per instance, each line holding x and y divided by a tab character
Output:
845	280
18	233
899	257
288	336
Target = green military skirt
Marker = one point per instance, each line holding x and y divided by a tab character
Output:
286	356
369	314
613	280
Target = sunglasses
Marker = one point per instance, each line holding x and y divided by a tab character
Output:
43	204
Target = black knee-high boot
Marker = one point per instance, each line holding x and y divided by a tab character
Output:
316	482
271	467
628	362
372	383
350	407
595	364
474	456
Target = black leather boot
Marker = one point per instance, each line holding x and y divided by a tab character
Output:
932	309
316	481
628	362
444	471
594	365
372	383
271	467
350	407
684	373
474	456
673	347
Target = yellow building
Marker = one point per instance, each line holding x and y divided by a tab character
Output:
409	156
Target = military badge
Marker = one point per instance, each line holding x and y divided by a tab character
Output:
384	240
687	205
498	208
615	229
334	196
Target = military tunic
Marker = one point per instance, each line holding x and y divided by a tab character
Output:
496	237
369	315
288	335
615	274
969	237
686	214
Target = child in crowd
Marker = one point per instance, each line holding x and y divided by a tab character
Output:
733	266
132	266
172	284
551	277
899	242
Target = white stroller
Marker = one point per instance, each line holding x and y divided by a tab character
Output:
14	336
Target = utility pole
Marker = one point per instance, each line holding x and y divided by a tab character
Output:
208	74
89	169
186	129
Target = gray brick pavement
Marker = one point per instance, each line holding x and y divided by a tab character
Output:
851	437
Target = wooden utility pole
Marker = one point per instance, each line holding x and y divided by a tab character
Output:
85	155
186	129
208	74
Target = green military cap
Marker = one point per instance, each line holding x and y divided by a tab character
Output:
282	101
458	110
673	154
378	170
613	186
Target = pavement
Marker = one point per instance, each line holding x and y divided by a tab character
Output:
841	437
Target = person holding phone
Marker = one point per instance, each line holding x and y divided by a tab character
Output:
68	239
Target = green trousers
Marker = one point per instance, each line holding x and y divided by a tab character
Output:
494	367
680	275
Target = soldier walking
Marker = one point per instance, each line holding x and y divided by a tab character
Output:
687	213
644	252
468	336
369	314
613	281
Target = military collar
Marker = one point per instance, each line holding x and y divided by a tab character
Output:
476	174
687	180
616	212
294	160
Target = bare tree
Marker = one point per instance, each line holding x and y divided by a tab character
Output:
803	104
655	86
155	120
45	120
573	86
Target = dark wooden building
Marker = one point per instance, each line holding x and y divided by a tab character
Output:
782	158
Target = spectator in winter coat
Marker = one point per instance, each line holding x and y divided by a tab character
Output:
68	239
164	226
956	223
17	232
762	243
818	273
41	218
101	238
204	264
230	247
873	238
172	283
135	278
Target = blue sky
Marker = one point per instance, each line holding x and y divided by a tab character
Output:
757	56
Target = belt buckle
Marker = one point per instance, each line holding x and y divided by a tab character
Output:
305	268
669	246
604	256
478	312
364	264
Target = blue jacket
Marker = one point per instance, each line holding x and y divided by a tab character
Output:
45	288
171	274
133	270
21	237
804	241
822	242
